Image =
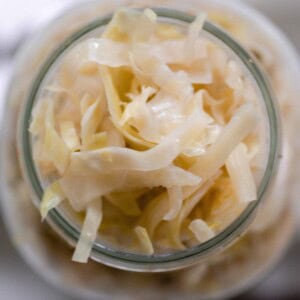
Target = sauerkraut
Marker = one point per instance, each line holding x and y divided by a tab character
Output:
148	131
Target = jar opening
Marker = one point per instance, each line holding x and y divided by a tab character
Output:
137	262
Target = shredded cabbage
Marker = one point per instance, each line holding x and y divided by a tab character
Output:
52	197
241	176
89	231
144	239
191	48
90	122
175	199
38	118
114	107
54	148
201	230
132	25
69	135
108	53
174	83
155	123
121	158
241	124
82	185
127	202
174	226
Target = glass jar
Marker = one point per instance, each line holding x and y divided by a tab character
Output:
233	261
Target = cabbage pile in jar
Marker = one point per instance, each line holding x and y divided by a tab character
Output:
151	134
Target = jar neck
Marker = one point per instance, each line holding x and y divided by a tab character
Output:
157	263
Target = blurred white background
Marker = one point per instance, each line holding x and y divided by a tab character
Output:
18	18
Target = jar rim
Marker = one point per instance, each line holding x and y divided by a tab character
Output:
182	258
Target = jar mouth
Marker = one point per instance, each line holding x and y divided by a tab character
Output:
159	262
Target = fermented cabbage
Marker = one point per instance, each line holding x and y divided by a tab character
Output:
141	127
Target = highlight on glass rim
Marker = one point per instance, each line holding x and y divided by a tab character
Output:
150	143
149	151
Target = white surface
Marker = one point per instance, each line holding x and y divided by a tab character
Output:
17	281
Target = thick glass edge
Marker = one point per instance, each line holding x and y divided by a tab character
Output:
223	238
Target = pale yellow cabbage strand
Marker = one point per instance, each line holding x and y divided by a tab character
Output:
240	125
89	231
117	158
81	185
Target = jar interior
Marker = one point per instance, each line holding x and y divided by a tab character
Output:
68	223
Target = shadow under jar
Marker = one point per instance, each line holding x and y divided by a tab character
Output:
232	261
